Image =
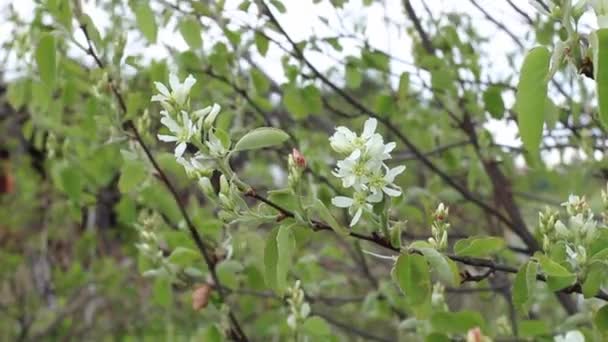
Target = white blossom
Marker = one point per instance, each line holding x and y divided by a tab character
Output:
601	11
182	133
570	336
364	168
178	94
356	205
216	148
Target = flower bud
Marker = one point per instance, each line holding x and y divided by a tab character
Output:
206	186
210	118
298	159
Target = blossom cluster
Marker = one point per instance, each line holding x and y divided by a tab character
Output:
188	126
364	168
578	231
299	309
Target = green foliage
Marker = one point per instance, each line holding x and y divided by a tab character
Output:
600	57
479	246
532	98
260	138
46	59
127	211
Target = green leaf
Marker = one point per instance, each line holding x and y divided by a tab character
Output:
533	328
183	256
227	271
550	267
145	21
478	246
278	5
601	320
162	292
260	82
596	274
524	286
271	257
353	75
261	43
328	218
493	102
316	326
260	138
132	174
456	322
413	277
190	29
312	97
531	98
286	245
46	59
280	246
294	101
600	71
444	267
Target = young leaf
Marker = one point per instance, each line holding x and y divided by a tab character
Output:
601	320
145	21
478	246
595	277
316	326
260	138
413	277
277	257
493	102
261	43
191	32
286	245
294	101
524	285
456	322
442	266
271	257
46	59
531	98
183	256
600	70
328	218
552	268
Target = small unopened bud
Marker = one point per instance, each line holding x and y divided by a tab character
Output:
298	158
474	335
206	186
200	297
210	118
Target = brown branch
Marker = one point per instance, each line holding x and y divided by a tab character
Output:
380	241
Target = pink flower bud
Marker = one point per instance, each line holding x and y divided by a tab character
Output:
298	159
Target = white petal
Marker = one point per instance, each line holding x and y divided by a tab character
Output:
356	217
342	201
167	138
158	98
391	192
162	89
188	83
174	82
375	197
388	148
170	124
179	149
369	127
394	172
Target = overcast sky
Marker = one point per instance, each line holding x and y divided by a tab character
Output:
302	21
